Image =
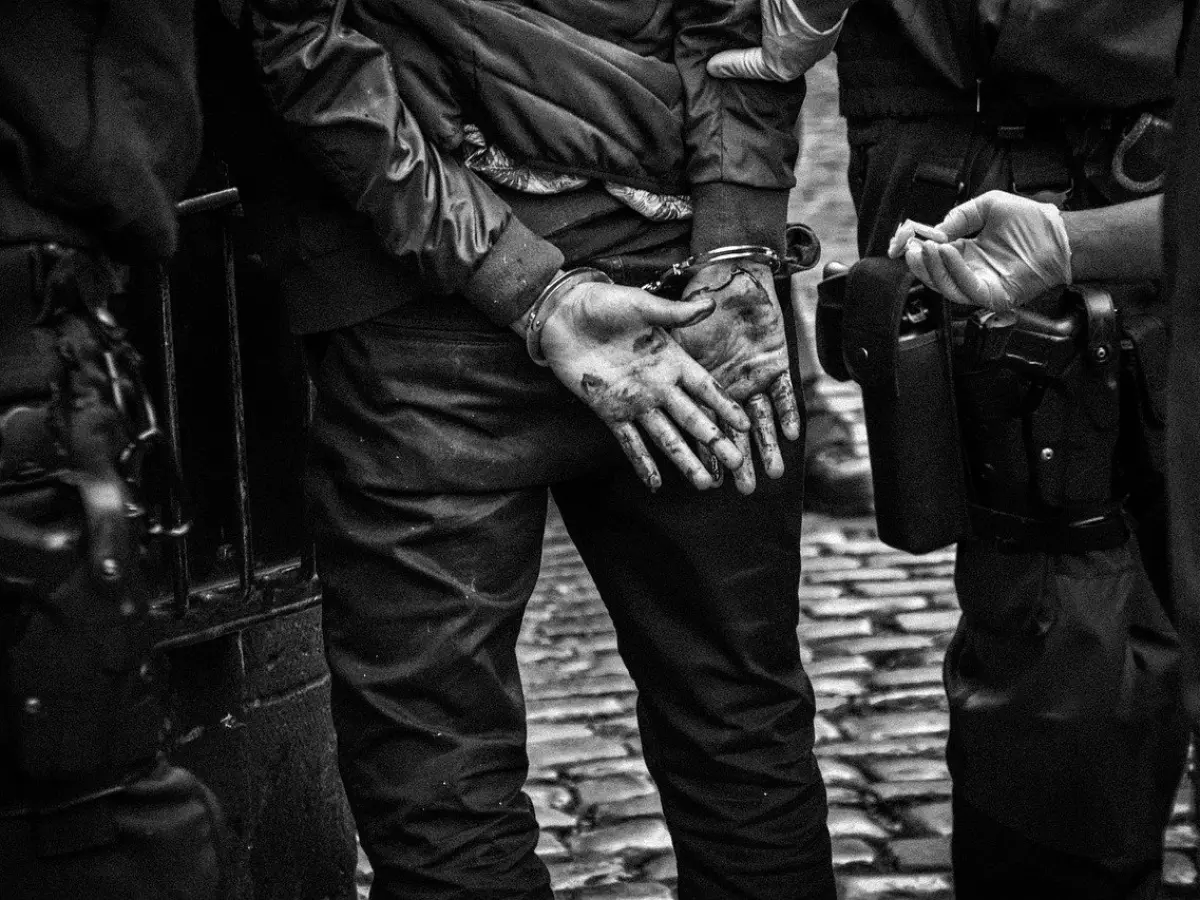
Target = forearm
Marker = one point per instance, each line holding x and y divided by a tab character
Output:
1120	243
335	91
740	133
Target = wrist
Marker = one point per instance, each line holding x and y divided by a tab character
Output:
1063	270
549	301
675	280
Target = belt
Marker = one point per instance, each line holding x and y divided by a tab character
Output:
1082	532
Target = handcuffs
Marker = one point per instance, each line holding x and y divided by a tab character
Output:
669	284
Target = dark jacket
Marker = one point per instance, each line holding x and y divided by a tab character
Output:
1181	256
375	94
923	57
99	122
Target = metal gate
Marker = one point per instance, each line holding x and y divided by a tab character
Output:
237	614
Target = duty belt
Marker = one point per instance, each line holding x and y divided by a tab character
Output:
1079	532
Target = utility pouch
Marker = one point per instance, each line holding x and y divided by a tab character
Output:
895	342
831	304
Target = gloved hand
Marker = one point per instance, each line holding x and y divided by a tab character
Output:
790	46
609	346
744	346
998	251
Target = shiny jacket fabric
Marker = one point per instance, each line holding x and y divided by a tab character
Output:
375	93
926	57
99	123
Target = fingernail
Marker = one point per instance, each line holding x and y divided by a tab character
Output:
706	308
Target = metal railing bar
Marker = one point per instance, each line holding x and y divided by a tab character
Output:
245	527
180	573
207	202
308	557
240	623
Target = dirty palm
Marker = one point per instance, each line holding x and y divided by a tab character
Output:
711	367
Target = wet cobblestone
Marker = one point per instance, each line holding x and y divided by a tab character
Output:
874	625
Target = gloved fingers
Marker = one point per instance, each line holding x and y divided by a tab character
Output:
684	411
941	281
635	450
742	64
914	256
763	418
705	390
907	231
783	395
978	290
744	478
671	442
968	218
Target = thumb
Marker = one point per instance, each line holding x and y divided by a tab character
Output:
740	64
673	313
965	220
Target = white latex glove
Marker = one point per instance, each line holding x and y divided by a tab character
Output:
998	251
790	46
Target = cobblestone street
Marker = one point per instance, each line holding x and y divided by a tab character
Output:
874	626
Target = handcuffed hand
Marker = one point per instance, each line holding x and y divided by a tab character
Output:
744	345
998	251
790	46
609	345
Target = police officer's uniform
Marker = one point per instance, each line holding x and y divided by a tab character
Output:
1067	741
99	127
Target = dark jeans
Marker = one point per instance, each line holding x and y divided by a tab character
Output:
1067	740
434	445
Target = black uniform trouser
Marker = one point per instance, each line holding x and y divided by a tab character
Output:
1066	739
138	829
435	441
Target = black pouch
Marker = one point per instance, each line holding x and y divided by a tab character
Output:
896	344
831	303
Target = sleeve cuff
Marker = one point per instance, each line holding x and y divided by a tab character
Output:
512	275
727	214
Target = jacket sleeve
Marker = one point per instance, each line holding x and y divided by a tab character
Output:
336	93
740	133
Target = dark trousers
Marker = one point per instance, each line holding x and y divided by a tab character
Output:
434	445
1066	738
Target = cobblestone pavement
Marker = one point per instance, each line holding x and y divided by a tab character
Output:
874	625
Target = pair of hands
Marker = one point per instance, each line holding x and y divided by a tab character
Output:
712	367
998	251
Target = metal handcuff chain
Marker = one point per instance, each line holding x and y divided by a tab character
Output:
677	276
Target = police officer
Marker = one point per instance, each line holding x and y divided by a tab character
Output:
99	127
1066	740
